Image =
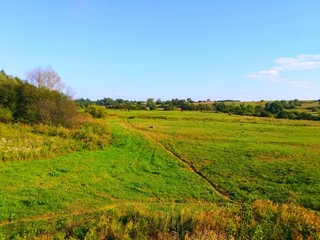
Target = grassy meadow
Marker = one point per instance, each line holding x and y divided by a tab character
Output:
247	158
163	175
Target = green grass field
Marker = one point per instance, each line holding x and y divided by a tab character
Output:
247	158
190	175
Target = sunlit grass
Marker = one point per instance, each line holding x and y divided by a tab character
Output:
249	158
131	169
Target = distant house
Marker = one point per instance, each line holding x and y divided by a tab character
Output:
205	101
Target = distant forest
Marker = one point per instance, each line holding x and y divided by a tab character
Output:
273	109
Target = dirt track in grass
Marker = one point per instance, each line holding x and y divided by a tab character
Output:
149	135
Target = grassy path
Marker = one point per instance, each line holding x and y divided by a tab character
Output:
189	165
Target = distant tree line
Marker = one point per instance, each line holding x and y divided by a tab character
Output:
38	100
274	109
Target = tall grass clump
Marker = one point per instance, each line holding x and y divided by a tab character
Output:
257	220
24	142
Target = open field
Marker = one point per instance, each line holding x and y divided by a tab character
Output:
190	175
246	157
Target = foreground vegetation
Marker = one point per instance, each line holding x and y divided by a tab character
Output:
258	220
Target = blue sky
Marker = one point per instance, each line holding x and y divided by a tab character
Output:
135	49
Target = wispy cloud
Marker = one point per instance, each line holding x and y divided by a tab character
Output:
299	62
268	75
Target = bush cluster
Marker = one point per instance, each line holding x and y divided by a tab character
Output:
96	111
23	102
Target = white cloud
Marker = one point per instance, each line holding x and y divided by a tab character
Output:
270	72
267	75
299	62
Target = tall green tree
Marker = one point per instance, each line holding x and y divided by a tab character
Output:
151	104
274	107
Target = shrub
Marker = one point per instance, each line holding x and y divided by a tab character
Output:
5	115
96	111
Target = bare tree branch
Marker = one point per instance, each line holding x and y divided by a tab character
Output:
45	78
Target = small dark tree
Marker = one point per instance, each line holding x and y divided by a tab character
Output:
158	102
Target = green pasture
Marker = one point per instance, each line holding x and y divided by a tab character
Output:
246	157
